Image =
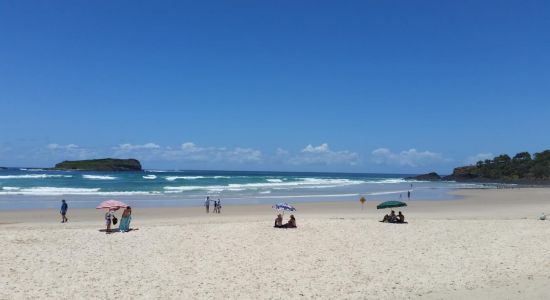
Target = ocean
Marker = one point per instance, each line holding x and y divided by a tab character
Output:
25	188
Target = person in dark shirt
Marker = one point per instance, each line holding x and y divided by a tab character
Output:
63	211
400	218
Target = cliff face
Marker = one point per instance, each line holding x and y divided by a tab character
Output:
467	173
106	164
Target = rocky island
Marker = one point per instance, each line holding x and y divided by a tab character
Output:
105	164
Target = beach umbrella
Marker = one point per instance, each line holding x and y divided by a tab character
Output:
284	207
390	204
111	204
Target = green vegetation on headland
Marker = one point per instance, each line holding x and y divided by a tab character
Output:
522	168
105	164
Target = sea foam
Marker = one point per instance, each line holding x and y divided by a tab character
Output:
57	191
99	177
34	176
300	183
173	178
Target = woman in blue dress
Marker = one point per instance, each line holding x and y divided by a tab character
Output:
125	220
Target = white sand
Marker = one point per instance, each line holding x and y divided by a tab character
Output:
488	246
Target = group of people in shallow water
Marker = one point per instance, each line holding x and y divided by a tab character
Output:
124	225
393	218
279	222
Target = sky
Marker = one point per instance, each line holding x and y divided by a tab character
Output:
342	86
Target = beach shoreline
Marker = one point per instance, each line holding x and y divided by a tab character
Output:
464	205
489	244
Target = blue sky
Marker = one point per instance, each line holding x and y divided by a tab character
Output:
360	86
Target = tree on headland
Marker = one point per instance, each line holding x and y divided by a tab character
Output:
522	166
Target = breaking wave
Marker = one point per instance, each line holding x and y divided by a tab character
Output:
174	178
57	191
300	183
99	177
34	176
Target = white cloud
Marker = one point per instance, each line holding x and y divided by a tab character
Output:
323	148
68	147
280	152
131	147
323	155
244	155
70	151
411	157
472	160
191	152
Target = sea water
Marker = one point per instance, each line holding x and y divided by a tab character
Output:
41	188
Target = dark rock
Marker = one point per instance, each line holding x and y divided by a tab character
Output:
105	164
467	173
433	176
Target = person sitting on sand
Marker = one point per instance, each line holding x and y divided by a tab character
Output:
124	225
392	217
279	221
400	218
291	223
386	218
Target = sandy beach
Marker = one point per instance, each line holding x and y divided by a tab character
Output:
489	245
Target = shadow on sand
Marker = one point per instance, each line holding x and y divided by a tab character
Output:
116	230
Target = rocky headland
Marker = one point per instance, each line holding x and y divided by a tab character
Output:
522	169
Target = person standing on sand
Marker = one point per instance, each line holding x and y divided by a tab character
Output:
409	195
108	217
124	225
63	211
207	204
219	206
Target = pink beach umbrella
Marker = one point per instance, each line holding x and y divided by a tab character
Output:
111	204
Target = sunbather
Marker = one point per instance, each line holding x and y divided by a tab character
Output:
279	221
392	217
291	223
400	218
